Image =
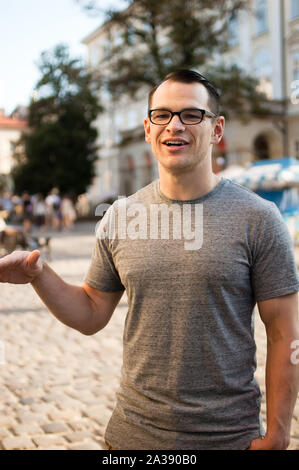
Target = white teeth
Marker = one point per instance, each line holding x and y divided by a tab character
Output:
174	142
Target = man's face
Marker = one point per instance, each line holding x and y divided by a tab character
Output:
196	140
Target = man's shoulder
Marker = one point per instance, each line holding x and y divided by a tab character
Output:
245	198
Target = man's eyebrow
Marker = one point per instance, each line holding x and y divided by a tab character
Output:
165	108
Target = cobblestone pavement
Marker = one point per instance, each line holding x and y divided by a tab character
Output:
57	386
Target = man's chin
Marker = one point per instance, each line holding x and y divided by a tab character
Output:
177	167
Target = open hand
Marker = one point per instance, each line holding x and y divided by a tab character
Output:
20	267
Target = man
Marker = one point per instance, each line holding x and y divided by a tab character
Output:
192	283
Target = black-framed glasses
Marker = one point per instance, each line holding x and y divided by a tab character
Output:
162	117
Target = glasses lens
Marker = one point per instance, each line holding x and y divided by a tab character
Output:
191	116
160	116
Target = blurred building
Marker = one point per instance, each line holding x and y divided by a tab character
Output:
11	128
265	43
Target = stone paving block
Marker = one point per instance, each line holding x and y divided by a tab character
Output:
97	412
6	421
55	427
59	381
47	441
52	448
5	394
43	408
28	401
90	445
31	392
64	415
4	433
21	429
17	443
69	404
26	417
55	397
78	436
83	424
14	384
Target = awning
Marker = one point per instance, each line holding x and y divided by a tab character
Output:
270	174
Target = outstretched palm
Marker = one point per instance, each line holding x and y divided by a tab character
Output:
20	267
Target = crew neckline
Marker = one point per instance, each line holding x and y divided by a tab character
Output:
211	193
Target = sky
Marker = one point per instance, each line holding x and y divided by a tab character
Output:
27	28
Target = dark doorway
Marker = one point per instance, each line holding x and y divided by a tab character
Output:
261	147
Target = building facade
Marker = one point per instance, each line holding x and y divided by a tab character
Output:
11	128
265	43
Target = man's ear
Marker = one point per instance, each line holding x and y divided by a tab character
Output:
218	130
147	129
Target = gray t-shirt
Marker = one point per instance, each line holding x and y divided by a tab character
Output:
187	379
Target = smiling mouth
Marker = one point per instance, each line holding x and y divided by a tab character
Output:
174	143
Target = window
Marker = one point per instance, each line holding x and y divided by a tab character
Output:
94	55
106	48
262	66
261	16
294	9
296	65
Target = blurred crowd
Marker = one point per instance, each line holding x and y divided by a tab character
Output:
54	212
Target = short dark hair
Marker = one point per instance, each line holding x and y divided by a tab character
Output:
191	76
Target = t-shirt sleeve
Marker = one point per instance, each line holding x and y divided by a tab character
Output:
274	272
102	273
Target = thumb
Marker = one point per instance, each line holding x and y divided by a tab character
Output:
33	259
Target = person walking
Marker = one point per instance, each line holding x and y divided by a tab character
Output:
27	212
39	210
68	212
195	254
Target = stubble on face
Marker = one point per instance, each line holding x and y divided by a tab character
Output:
176	96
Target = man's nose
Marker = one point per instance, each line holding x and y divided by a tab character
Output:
175	124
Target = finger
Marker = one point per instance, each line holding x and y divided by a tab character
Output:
256	444
33	258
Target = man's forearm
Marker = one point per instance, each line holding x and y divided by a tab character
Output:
281	390
69	303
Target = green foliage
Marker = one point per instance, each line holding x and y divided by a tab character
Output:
59	150
193	32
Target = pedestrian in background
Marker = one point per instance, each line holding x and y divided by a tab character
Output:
53	210
39	210
68	212
83	206
6	205
27	212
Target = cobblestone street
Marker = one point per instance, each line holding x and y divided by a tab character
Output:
57	386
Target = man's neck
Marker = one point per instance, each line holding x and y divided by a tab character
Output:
187	186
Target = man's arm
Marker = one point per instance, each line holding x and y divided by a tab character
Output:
83	308
280	316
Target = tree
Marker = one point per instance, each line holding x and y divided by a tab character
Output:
160	36
59	150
